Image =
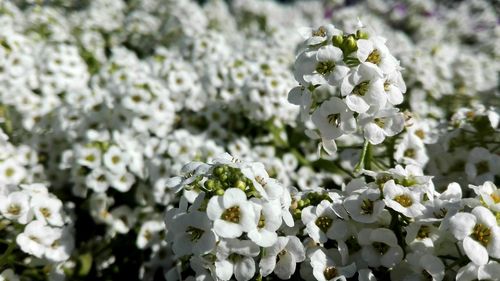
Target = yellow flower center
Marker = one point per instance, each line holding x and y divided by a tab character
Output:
404	200
14	209
232	214
330	272
361	88
374	57
324	223
482	234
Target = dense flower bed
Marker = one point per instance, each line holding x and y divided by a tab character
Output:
249	140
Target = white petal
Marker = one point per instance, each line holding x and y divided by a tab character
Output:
475	251
214	208
227	229
374	134
233	197
244	269
357	103
462	224
224	269
285	266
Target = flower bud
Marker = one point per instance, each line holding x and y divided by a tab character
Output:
337	40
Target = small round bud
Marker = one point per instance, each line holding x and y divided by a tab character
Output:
218	171
301	204
210	184
337	40
219	192
350	44
361	34
240	184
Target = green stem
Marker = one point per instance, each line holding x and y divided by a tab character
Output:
5	257
362	159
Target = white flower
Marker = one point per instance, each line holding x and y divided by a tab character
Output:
482	165
333	119
322	223
149	233
318	35
380	247
385	123
268	220
411	150
8	275
490	195
193	234
281	258
191	170
236	257
374	55
115	160
16	206
479	233
97	180
472	271
419	266
329	68
122	219
36	238
231	213
327	266
47	209
402	199
362	90
89	157
267	187
364	205
394	87
11	172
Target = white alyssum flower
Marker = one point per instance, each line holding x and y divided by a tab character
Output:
268	220
322	223
384	123
411	150
479	233
236	257
231	213
193	234
37	238
9	275
281	258
490	195
402	199
364	205
48	209
334	119
16	206
482	165
380	247
327	266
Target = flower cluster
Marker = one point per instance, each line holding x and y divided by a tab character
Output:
37	222
348	81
